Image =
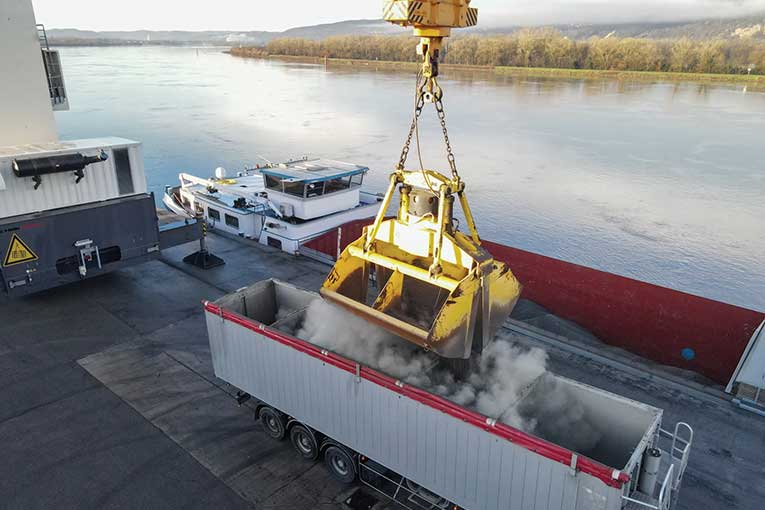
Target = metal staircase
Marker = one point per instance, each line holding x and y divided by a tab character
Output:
55	76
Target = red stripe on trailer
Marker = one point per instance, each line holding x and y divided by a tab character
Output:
655	322
609	476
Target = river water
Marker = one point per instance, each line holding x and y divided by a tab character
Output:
663	182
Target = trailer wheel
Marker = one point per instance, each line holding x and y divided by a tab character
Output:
340	464
304	442
273	422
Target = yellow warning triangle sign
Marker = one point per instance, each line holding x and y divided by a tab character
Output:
18	252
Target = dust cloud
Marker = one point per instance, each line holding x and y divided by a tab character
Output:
509	382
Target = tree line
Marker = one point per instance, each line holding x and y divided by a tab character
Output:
545	48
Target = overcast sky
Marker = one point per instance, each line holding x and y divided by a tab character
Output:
282	14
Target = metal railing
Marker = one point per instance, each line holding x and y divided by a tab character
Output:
679	450
42	35
665	494
664	501
667	488
53	73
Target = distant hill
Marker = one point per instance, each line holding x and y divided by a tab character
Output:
58	36
747	27
353	27
65	36
741	28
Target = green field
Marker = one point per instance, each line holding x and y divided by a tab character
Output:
633	75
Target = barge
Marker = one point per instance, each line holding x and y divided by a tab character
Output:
282	205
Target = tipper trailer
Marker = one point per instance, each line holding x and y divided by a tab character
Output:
422	450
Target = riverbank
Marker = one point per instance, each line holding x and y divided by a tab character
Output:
114	43
533	72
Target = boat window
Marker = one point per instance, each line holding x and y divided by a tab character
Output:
357	179
122	167
232	221
315	189
275	243
338	184
294	188
213	213
273	183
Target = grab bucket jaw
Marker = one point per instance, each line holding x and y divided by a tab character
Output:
436	287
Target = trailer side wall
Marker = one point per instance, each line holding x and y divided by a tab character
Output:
462	462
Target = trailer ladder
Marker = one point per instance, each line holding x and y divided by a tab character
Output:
674	461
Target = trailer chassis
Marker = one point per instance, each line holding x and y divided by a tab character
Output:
343	463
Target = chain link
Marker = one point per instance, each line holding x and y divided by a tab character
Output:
449	153
418	106
429	87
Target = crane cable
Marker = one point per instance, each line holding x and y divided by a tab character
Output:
417	95
424	88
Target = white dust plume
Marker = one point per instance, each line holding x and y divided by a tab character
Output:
508	383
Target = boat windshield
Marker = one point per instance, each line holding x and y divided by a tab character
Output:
312	188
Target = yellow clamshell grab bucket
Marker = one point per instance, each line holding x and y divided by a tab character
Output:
435	286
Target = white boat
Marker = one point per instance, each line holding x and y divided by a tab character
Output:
280	205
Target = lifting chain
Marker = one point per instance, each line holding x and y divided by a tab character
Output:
449	154
429	91
419	103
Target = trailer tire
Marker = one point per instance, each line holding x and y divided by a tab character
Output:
304	441
273	423
340	464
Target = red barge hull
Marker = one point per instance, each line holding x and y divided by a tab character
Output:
660	324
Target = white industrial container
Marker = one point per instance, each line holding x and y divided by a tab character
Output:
122	174
748	380
460	455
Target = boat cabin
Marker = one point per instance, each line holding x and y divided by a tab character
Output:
282	205
311	189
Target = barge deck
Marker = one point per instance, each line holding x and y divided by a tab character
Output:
109	401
